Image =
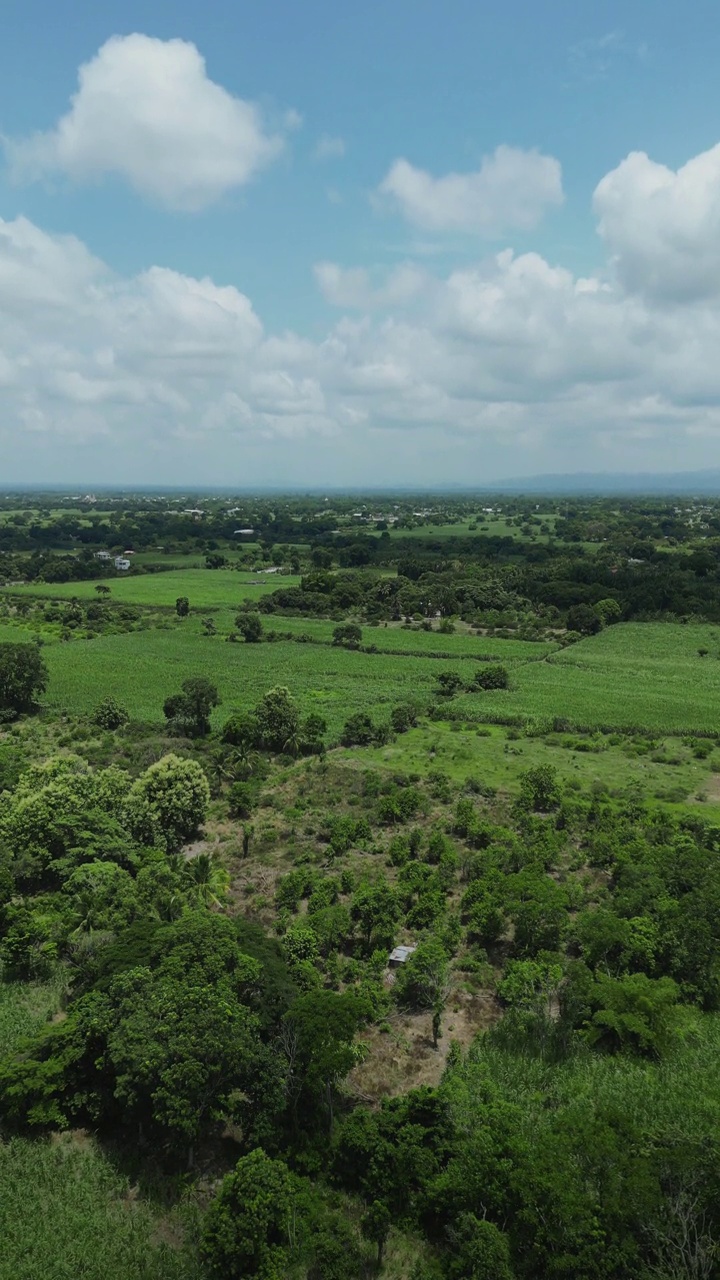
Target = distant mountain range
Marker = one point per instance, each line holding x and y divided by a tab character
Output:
699	483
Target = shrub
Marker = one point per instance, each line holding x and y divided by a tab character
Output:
250	627
359	731
349	635
109	714
494	677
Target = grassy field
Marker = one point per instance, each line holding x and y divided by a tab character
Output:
205	588
630	676
394	638
142	668
636	674
594	762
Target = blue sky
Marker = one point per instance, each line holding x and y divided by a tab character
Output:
392	243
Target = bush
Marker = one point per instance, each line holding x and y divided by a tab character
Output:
109	714
359	731
349	635
403	717
241	799
494	677
250	627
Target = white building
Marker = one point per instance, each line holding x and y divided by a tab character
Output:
121	562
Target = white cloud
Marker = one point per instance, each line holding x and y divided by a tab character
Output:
353	288
147	111
512	188
662	228
329	148
511	354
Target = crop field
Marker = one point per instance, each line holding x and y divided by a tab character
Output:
666	771
480	525
645	675
142	668
393	638
642	676
205	588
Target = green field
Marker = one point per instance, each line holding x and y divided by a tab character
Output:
205	588
143	668
393	638
496	760
645	675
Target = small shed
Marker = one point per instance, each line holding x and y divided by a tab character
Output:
399	955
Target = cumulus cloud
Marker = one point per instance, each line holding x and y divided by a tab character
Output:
511	189
512	352
329	148
352	288
661	227
146	110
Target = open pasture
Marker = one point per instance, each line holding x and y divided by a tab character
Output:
668	772
205	588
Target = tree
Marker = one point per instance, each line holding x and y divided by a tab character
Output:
250	627
608	611
317	1039
168	803
634	1012
241	730
583	618
241	799
182	606
102	590
493	677
312	731
375	1226
205	880
215	560
245	1233
23	675
109	714
481	1251
349	635
359	731
375	909
403	717
539	789
179	1050
449	683
188	713
423	981
278	719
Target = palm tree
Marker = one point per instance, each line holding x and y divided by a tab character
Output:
205	880
239	764
291	746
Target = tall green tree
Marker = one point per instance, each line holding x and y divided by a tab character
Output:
23	675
